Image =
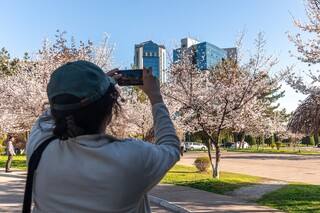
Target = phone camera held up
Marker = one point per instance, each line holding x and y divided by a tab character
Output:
130	77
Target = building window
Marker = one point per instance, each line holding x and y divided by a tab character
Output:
150	53
146	53
155	54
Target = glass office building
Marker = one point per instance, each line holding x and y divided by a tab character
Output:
208	55
150	54
187	45
204	54
231	53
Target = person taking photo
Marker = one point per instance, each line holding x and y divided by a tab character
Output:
83	169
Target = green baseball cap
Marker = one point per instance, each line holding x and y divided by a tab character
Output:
82	79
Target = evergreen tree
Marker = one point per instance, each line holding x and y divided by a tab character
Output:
271	98
7	66
308	140
270	140
251	140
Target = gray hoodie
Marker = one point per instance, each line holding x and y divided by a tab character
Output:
99	173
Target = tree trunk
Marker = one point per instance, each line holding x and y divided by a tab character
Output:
210	157
216	172
258	142
235	137
243	134
27	133
316	139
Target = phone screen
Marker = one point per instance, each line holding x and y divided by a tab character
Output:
130	77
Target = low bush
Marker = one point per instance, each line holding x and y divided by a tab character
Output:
202	163
278	144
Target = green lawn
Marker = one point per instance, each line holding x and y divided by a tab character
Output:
188	176
292	198
18	162
269	150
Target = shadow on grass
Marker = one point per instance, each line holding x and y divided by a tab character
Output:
212	185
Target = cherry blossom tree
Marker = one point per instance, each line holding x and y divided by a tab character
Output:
305	119
308	49
257	122
220	98
135	118
23	94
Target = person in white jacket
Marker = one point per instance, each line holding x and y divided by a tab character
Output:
84	169
10	152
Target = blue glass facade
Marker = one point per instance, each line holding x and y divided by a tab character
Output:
176	54
150	54
136	58
208	55
204	55
151	58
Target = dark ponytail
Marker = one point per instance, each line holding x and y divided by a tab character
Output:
87	120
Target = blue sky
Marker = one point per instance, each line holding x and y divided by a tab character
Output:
24	24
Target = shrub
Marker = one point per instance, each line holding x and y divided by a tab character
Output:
202	163
278	144
273	145
199	140
251	140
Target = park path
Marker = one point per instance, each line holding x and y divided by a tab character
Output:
12	189
177	199
286	167
299	168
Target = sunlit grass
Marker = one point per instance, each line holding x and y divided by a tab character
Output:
270	150
189	176
18	162
294	198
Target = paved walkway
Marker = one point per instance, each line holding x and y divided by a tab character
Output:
11	190
164	198
194	200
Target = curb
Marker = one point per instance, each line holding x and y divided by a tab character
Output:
167	205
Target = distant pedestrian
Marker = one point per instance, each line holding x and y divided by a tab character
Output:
10	152
182	147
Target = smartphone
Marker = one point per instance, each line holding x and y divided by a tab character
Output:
130	77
